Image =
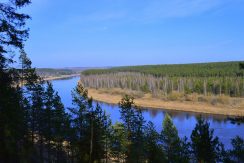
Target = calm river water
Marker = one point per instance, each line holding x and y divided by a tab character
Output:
185	122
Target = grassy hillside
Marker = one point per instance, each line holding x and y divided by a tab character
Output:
217	69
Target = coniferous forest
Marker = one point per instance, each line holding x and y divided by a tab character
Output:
36	127
223	78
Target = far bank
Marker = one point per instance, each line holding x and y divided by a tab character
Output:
60	77
147	101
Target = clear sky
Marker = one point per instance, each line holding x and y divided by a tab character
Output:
94	33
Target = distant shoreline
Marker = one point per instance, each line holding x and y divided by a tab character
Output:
60	77
186	106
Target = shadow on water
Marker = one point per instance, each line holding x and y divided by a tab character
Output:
236	120
182	114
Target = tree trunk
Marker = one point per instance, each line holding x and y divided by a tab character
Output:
91	143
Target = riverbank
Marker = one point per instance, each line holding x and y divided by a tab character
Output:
147	101
60	77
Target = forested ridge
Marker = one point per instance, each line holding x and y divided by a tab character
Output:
52	72
223	78
57	72
214	69
35	127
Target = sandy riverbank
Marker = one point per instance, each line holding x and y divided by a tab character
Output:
60	77
148	102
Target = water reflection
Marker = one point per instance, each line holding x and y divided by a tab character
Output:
224	128
185	122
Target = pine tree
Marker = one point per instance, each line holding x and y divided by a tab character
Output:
48	115
28	76
12	120
37	121
32	86
134	126
185	150
101	130
206	147
171	142
92	127
61	127
154	152
81	123
118	142
237	153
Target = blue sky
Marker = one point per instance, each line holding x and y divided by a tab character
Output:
95	33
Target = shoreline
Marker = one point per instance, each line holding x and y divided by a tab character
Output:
54	78
185	106
60	77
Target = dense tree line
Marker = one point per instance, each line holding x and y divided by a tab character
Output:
54	72
230	86
220	78
36	127
217	69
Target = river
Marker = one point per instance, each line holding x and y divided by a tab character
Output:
185	122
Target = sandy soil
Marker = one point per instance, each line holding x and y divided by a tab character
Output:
60	77
148	102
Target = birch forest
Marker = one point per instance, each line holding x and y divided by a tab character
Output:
206	79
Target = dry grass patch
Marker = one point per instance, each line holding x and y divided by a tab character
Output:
235	106
175	96
222	100
122	92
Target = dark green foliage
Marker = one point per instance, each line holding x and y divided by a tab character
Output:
12	123
241	65
48	123
237	153
101	129
218	69
48	117
91	126
175	150
170	139
134	126
60	129
206	147
185	152
13	142
37	121
12	26
154	152
118	142
56	124
28	76
79	123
